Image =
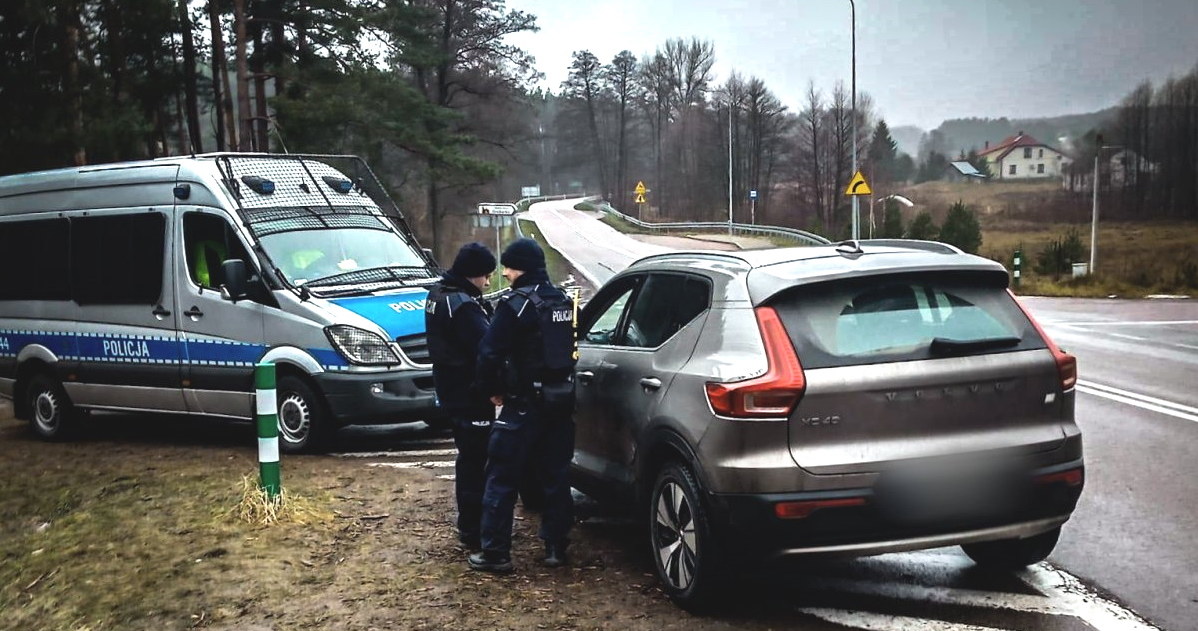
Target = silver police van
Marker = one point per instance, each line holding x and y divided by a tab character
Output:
157	286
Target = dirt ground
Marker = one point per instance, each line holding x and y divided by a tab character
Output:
132	526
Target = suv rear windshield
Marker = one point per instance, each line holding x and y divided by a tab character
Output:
903	318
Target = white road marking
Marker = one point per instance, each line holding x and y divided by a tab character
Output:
428	464
1122	323
1127	337
871	621
1083	602
1143	401
399	454
1062	595
942	595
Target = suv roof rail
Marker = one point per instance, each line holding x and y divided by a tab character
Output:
715	254
913	244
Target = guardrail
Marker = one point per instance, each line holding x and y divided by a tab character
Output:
546	198
740	228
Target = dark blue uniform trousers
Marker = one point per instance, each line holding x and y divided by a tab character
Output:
521	437
470	436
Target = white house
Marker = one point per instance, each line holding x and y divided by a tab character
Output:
1022	157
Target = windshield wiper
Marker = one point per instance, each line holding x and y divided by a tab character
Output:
948	346
381	274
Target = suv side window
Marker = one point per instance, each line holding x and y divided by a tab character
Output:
605	329
209	240
667	303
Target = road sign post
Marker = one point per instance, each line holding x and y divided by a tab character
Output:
639	196
753	207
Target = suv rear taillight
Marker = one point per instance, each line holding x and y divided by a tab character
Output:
1066	363
772	395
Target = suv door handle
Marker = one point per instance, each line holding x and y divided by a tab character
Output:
194	312
651	383
161	312
585	376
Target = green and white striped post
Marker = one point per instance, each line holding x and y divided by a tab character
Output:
266	402
1018	266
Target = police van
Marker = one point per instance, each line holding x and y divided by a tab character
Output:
157	286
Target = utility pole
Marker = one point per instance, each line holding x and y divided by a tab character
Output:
856	203
729	165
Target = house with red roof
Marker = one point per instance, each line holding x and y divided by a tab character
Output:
1022	157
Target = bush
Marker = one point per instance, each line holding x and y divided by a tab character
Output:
923	227
961	228
1060	255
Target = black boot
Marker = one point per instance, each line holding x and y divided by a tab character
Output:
490	562
471	543
555	555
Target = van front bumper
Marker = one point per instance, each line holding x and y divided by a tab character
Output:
380	398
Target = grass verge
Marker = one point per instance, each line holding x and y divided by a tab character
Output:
1134	258
556	264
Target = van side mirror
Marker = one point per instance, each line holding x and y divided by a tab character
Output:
428	253
237	279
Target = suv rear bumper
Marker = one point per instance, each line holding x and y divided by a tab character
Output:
748	523
404	397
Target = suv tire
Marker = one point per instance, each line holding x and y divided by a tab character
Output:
684	551
1013	554
52	416
303	422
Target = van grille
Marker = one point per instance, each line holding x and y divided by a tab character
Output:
415	347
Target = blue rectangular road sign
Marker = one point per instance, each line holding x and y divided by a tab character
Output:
752	194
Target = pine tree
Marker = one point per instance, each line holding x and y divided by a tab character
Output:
961	228
923	227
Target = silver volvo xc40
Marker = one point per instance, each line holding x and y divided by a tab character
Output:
870	397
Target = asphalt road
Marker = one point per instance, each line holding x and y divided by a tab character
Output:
595	249
1132	537
1134	530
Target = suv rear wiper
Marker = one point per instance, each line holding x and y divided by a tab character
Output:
948	346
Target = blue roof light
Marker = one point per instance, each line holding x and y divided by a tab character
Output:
341	185
258	184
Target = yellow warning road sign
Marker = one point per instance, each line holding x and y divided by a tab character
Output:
640	198
640	189
858	186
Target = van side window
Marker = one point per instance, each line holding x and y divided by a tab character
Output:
117	259
208	241
33	260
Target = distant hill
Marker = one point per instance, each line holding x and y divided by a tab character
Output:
907	137
962	134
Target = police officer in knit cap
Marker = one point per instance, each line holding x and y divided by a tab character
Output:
456	317
526	364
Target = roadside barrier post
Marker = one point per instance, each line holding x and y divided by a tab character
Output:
267	408
1017	262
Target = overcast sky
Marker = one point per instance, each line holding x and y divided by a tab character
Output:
923	61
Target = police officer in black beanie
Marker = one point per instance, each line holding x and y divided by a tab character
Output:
526	364
456	317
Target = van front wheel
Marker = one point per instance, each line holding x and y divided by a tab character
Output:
51	413
303	422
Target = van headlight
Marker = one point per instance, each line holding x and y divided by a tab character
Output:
360	346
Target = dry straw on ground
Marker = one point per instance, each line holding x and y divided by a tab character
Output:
256	507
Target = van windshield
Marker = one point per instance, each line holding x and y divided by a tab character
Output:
341	254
